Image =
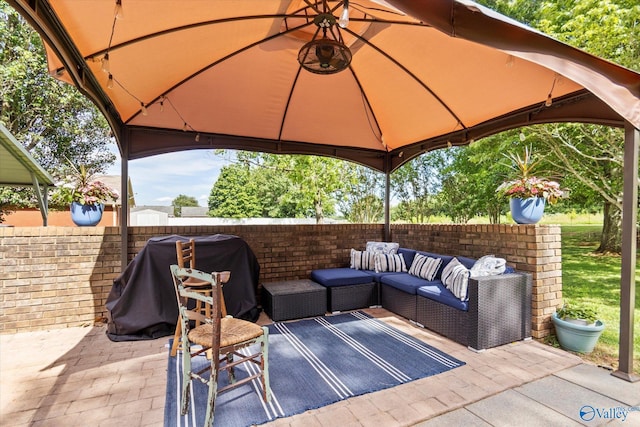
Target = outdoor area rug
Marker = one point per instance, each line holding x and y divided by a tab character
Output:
312	363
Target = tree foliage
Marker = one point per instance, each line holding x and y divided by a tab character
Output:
361	199
591	156
235	194
416	183
181	201
53	121
469	182
279	186
316	180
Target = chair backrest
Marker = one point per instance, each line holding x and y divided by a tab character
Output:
186	256
183	292
186	253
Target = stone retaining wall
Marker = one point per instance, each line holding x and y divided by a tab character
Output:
56	277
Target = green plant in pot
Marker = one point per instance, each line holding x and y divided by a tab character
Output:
577	327
528	193
85	195
578	314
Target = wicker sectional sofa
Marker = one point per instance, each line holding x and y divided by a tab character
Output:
498	309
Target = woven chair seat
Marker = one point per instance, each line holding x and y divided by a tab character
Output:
233	331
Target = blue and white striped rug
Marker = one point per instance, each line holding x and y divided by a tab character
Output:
313	363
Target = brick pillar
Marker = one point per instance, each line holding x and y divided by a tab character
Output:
543	259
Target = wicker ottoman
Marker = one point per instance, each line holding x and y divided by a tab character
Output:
294	299
353	297
348	289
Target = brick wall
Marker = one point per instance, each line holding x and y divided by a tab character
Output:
55	277
60	276
283	251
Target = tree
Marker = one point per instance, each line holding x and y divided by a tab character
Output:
277	186
592	155
54	122
361	198
469	182
316	179
179	202
416	184
234	194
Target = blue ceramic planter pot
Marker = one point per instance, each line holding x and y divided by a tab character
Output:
86	215
576	337
527	211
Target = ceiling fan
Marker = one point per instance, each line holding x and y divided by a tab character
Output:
326	53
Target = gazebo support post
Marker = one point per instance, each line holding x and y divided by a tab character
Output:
387	198
629	239
124	210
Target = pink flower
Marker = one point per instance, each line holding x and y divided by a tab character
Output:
525	188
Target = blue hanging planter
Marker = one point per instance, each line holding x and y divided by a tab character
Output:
527	211
86	215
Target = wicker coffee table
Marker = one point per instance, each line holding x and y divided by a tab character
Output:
294	299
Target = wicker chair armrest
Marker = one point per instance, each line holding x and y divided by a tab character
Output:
499	309
483	285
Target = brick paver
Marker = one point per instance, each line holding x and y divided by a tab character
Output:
78	377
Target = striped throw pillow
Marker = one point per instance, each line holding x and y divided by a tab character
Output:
390	262
425	267
363	260
455	277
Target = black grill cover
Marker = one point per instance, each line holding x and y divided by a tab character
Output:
142	302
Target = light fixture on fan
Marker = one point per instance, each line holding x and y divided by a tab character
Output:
325	55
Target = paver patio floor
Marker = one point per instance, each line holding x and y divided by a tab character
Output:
78	377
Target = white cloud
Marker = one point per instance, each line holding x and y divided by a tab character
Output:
157	180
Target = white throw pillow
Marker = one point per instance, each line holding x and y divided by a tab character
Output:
390	262
425	267
363	260
455	277
383	247
488	265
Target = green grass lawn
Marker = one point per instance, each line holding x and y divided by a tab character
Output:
594	280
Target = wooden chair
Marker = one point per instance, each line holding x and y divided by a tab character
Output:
225	337
186	257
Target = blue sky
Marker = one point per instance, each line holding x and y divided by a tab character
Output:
157	180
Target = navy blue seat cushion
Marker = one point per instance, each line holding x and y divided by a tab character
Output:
378	276
404	282
438	292
330	277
